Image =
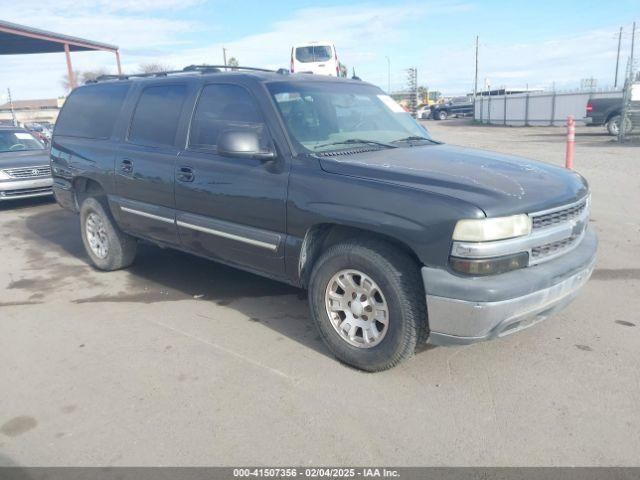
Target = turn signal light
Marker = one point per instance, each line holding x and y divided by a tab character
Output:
489	266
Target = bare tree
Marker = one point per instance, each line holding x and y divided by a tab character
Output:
233	62
83	77
92	75
65	81
154	67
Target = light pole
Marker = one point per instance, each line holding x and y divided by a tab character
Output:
388	74
475	81
13	113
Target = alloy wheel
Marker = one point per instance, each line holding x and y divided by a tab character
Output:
357	308
97	235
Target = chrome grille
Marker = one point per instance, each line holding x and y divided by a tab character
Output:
574	217
553	248
558	216
29	172
25	192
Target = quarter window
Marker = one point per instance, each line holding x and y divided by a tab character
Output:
91	111
223	107
155	120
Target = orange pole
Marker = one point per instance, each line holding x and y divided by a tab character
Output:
571	142
72	75
118	62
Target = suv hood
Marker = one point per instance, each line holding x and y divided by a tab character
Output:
498	184
29	158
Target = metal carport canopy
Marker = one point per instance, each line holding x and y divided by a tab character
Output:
19	40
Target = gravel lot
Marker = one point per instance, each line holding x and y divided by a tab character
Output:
180	361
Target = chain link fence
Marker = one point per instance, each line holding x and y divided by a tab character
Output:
537	108
629	129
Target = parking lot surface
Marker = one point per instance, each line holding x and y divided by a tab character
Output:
181	361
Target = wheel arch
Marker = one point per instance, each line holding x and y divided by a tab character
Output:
321	236
611	114
84	187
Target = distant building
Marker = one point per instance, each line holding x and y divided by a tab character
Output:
32	111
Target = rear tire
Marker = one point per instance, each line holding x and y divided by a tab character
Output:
108	247
383	297
613	126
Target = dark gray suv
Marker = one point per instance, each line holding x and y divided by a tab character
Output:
329	185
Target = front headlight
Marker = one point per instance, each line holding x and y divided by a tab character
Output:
4	176
488	229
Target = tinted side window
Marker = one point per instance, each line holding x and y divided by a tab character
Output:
221	107
92	111
155	119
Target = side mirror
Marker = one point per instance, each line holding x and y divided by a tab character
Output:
243	143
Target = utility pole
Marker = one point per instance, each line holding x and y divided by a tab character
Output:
224	56
615	83
13	113
633	42
388	75
475	82
626	92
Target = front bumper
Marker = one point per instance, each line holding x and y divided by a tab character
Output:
463	310
15	189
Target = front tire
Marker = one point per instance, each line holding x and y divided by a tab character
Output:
368	304
108	247
442	115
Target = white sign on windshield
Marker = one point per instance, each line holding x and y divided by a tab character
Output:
23	136
391	104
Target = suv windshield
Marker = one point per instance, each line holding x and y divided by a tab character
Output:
313	53
334	116
18	141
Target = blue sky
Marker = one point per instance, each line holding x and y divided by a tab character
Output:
521	42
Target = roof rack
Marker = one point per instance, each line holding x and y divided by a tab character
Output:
189	69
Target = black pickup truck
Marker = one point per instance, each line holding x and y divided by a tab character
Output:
329	185
456	107
606	111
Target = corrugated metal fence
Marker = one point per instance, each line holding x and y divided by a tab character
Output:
535	109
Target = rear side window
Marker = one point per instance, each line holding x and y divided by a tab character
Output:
313	53
155	120
92	111
220	107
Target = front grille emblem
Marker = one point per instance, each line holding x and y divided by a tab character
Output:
578	228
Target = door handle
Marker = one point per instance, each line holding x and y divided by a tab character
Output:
126	166
185	174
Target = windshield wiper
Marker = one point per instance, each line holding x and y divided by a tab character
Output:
356	140
413	137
